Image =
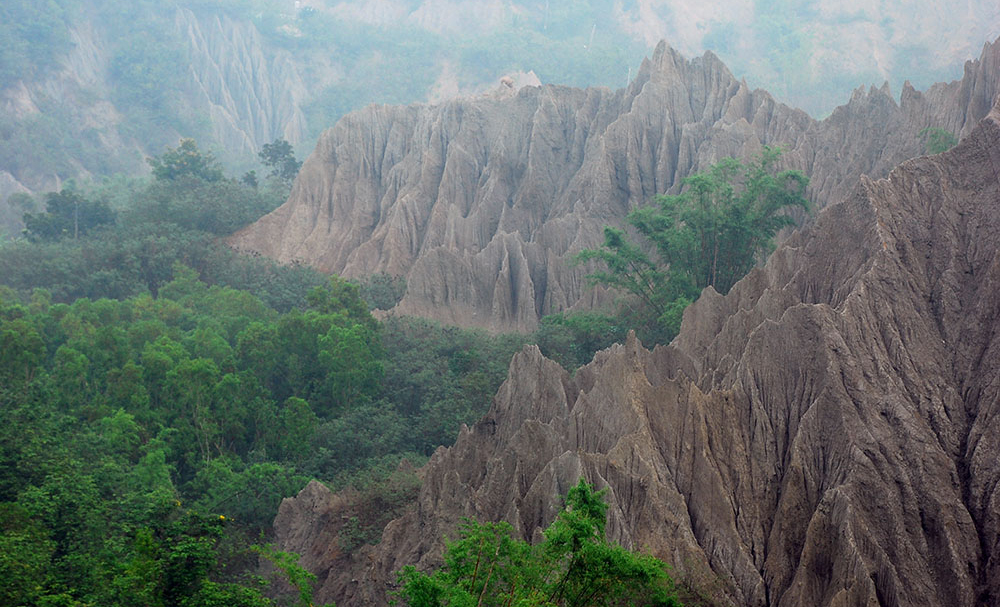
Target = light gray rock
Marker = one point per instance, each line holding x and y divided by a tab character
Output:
482	202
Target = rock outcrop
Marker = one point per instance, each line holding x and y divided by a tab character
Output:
480	203
825	434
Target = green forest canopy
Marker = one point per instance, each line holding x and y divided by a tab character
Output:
159	394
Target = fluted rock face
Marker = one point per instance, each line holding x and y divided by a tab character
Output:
826	434
253	95
480	203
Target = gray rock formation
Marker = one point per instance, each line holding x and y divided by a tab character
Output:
480	203
826	434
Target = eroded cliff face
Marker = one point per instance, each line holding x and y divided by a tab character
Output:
825	434
253	94
249	92
481	203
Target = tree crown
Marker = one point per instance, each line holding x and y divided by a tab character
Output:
711	234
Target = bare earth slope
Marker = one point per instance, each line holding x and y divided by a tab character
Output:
826	434
481	202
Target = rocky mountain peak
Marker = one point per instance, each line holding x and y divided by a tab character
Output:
824	434
481	202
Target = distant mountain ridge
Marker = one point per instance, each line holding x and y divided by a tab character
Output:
807	53
253	72
481	202
252	94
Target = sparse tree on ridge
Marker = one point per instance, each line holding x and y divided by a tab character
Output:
186	160
280	158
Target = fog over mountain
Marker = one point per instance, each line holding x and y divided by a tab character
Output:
90	87
806	53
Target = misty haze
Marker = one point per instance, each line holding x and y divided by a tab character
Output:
450	302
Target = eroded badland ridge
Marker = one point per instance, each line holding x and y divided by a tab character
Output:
248	94
481	202
825	434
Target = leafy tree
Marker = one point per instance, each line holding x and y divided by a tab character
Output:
351	357
215	206
571	339
148	70
172	561
574	566
938	140
280	158
248	494
25	556
67	213
439	377
711	234
296	575
296	427
21	351
341	296
250	179
33	35
382	291
186	160
589	570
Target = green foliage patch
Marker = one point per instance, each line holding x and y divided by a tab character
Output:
152	378
135	406
136	231
574	566
33	35
67	214
937	140
710	235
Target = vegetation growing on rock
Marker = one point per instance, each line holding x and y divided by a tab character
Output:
710	235
160	394
574	566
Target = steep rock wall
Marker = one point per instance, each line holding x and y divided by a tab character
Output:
480	203
825	434
253	94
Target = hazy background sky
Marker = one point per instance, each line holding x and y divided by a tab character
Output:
90	88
